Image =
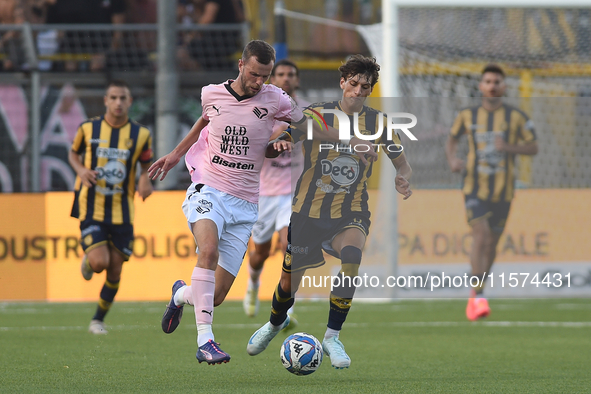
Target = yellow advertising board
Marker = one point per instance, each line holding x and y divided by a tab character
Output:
543	226
23	247
40	253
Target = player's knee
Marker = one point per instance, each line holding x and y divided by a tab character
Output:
261	255
208	256
98	263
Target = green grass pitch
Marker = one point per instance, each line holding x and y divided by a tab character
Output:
535	346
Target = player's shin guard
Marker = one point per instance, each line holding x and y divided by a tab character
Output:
282	301
106	299
343	289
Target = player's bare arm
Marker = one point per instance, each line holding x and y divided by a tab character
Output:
403	174
144	185
87	176
167	162
529	149
455	163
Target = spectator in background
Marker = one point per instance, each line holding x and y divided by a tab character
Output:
134	54
11	13
47	40
211	49
88	42
36	10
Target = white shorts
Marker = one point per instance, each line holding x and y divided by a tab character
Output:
233	216
274	214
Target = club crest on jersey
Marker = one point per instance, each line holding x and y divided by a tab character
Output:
204	206
129	143
260	112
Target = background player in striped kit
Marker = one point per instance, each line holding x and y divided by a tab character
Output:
111	145
496	133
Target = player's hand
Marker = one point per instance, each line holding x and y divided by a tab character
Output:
277	147
500	144
457	165
161	166
403	186
144	187
365	150
88	177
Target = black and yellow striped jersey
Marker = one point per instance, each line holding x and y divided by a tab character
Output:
333	183
490	174
114	154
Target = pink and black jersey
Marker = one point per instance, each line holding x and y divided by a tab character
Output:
230	152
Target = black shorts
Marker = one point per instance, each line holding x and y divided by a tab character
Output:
308	237
119	236
495	212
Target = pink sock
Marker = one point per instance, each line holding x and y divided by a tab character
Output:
202	289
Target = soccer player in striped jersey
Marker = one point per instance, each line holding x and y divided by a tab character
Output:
330	209
104	154
496	133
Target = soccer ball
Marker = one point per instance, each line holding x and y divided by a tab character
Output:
301	353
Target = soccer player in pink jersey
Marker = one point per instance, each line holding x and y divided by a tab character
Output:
278	177
225	164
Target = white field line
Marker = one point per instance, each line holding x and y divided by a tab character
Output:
509	324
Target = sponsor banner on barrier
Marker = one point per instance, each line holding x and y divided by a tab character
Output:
40	252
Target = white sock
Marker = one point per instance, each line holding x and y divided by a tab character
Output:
204	334
331	333
179	296
253	285
256	274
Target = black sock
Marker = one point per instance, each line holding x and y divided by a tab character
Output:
282	301
343	289
340	302
106	299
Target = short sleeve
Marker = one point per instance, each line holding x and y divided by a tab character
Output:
289	111
79	144
458	128
147	154
204	97
528	130
392	147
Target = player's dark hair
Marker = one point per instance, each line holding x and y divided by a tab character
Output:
359	64
262	51
119	83
285	62
493	68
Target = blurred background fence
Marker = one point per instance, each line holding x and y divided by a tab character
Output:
61	69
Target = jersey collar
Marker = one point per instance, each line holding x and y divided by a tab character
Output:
233	92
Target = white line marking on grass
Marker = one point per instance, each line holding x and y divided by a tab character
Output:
121	327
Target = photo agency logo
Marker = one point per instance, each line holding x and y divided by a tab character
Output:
345	130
